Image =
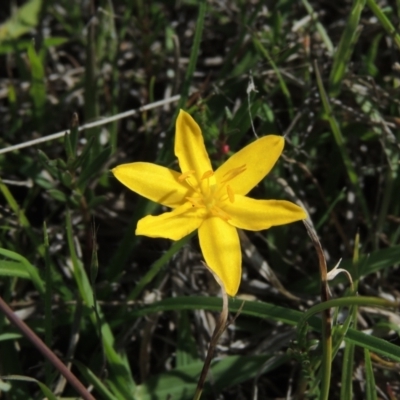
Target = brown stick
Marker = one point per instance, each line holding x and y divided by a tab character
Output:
218	331
47	353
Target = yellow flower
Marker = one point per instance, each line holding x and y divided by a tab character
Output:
214	202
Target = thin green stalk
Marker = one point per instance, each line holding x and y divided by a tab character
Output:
22	219
346	389
91	106
370	388
320	28
361	301
259	46
194	54
384	205
48	326
339	139
239	41
326	328
385	22
345	48
157	265
118	364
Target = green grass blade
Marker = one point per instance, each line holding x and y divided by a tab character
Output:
180	383
379	260
384	20
22	219
346	389
45	390
129	241
13	269
370	388
157	265
340	142
186	349
264	52
92	107
347	42
24	19
276	313
38	89
193	55
320	27
48	326
94	167
119	366
29	268
100	387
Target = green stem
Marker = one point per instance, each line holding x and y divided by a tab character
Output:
366	301
326	362
193	55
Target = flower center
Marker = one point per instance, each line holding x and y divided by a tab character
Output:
210	194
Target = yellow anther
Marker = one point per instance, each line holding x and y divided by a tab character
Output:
207	174
185	175
233	173
231	194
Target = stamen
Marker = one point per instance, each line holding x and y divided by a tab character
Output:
196	202
231	194
185	175
207	174
217	212
233	173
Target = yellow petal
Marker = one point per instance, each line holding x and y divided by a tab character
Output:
189	146
258	157
255	215
220	246
171	225
154	182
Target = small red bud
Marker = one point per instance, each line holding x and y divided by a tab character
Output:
225	149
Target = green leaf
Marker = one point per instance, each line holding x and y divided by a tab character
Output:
264	311
341	144
370	388
186	352
10	336
38	89
346	389
23	20
45	390
241	121
119	369
345	49
96	201
95	381
29	268
58	195
384	20
180	383
94	167
14	269
368	264
48	164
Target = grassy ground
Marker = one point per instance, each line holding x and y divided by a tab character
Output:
133	316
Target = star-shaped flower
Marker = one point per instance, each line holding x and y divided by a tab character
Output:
214	202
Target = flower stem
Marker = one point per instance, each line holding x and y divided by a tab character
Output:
218	331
